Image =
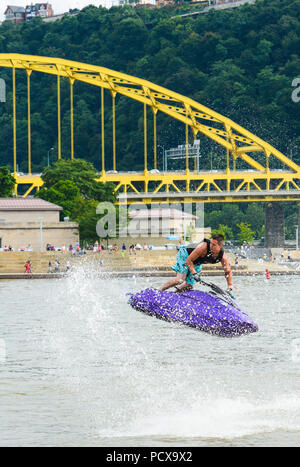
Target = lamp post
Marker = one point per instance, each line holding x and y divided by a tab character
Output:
163	148
41	234
297	237
48	157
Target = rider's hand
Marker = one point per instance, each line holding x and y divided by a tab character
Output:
197	277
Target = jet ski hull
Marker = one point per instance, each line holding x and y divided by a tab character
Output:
200	310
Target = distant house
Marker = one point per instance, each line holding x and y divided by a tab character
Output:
18	14
15	14
162	3
135	3
157	222
43	10
162	221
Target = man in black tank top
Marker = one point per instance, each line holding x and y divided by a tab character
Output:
209	257
191	258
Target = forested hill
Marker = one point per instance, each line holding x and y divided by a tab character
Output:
240	62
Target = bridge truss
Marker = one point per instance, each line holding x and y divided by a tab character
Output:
257	183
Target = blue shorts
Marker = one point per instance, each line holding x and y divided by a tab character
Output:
182	268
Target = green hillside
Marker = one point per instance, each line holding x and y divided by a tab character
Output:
239	62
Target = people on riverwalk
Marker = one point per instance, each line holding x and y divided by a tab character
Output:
56	266
190	260
28	267
268	275
49	267
132	249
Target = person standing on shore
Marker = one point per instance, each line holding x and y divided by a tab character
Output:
190	260
27	267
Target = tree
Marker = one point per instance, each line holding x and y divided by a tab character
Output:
245	235
7	183
255	216
227	215
87	218
73	185
64	193
223	230
83	174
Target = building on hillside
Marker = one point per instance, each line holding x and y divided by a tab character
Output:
145	4
138	3
220	2
34	222
43	10
18	14
229	3
51	19
15	14
162	3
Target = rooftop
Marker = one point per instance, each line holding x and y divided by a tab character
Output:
27	204
16	9
169	213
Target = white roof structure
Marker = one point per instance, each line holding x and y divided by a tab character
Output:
159	213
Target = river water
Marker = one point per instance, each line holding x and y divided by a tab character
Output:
79	367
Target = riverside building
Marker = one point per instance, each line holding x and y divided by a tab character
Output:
35	222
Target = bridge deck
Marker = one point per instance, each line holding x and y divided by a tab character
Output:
210	186
210	197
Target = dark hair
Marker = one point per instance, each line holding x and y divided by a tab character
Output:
218	237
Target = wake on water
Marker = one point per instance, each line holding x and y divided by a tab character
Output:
134	377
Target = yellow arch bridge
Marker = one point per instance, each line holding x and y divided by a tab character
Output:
257	183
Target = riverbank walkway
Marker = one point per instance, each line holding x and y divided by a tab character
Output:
141	263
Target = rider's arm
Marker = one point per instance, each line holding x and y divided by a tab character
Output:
201	251
227	270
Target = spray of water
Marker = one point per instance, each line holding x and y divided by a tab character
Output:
134	376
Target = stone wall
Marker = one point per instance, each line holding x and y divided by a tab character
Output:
19	235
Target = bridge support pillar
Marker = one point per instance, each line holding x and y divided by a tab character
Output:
274	225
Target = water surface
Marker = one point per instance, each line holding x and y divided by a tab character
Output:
84	369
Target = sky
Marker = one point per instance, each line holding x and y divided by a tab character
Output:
59	6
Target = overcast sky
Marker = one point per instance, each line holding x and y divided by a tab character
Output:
59	6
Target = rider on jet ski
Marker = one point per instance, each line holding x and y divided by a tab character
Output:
190	260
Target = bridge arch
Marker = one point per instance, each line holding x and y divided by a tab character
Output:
238	142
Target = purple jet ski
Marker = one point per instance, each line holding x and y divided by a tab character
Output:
214	312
